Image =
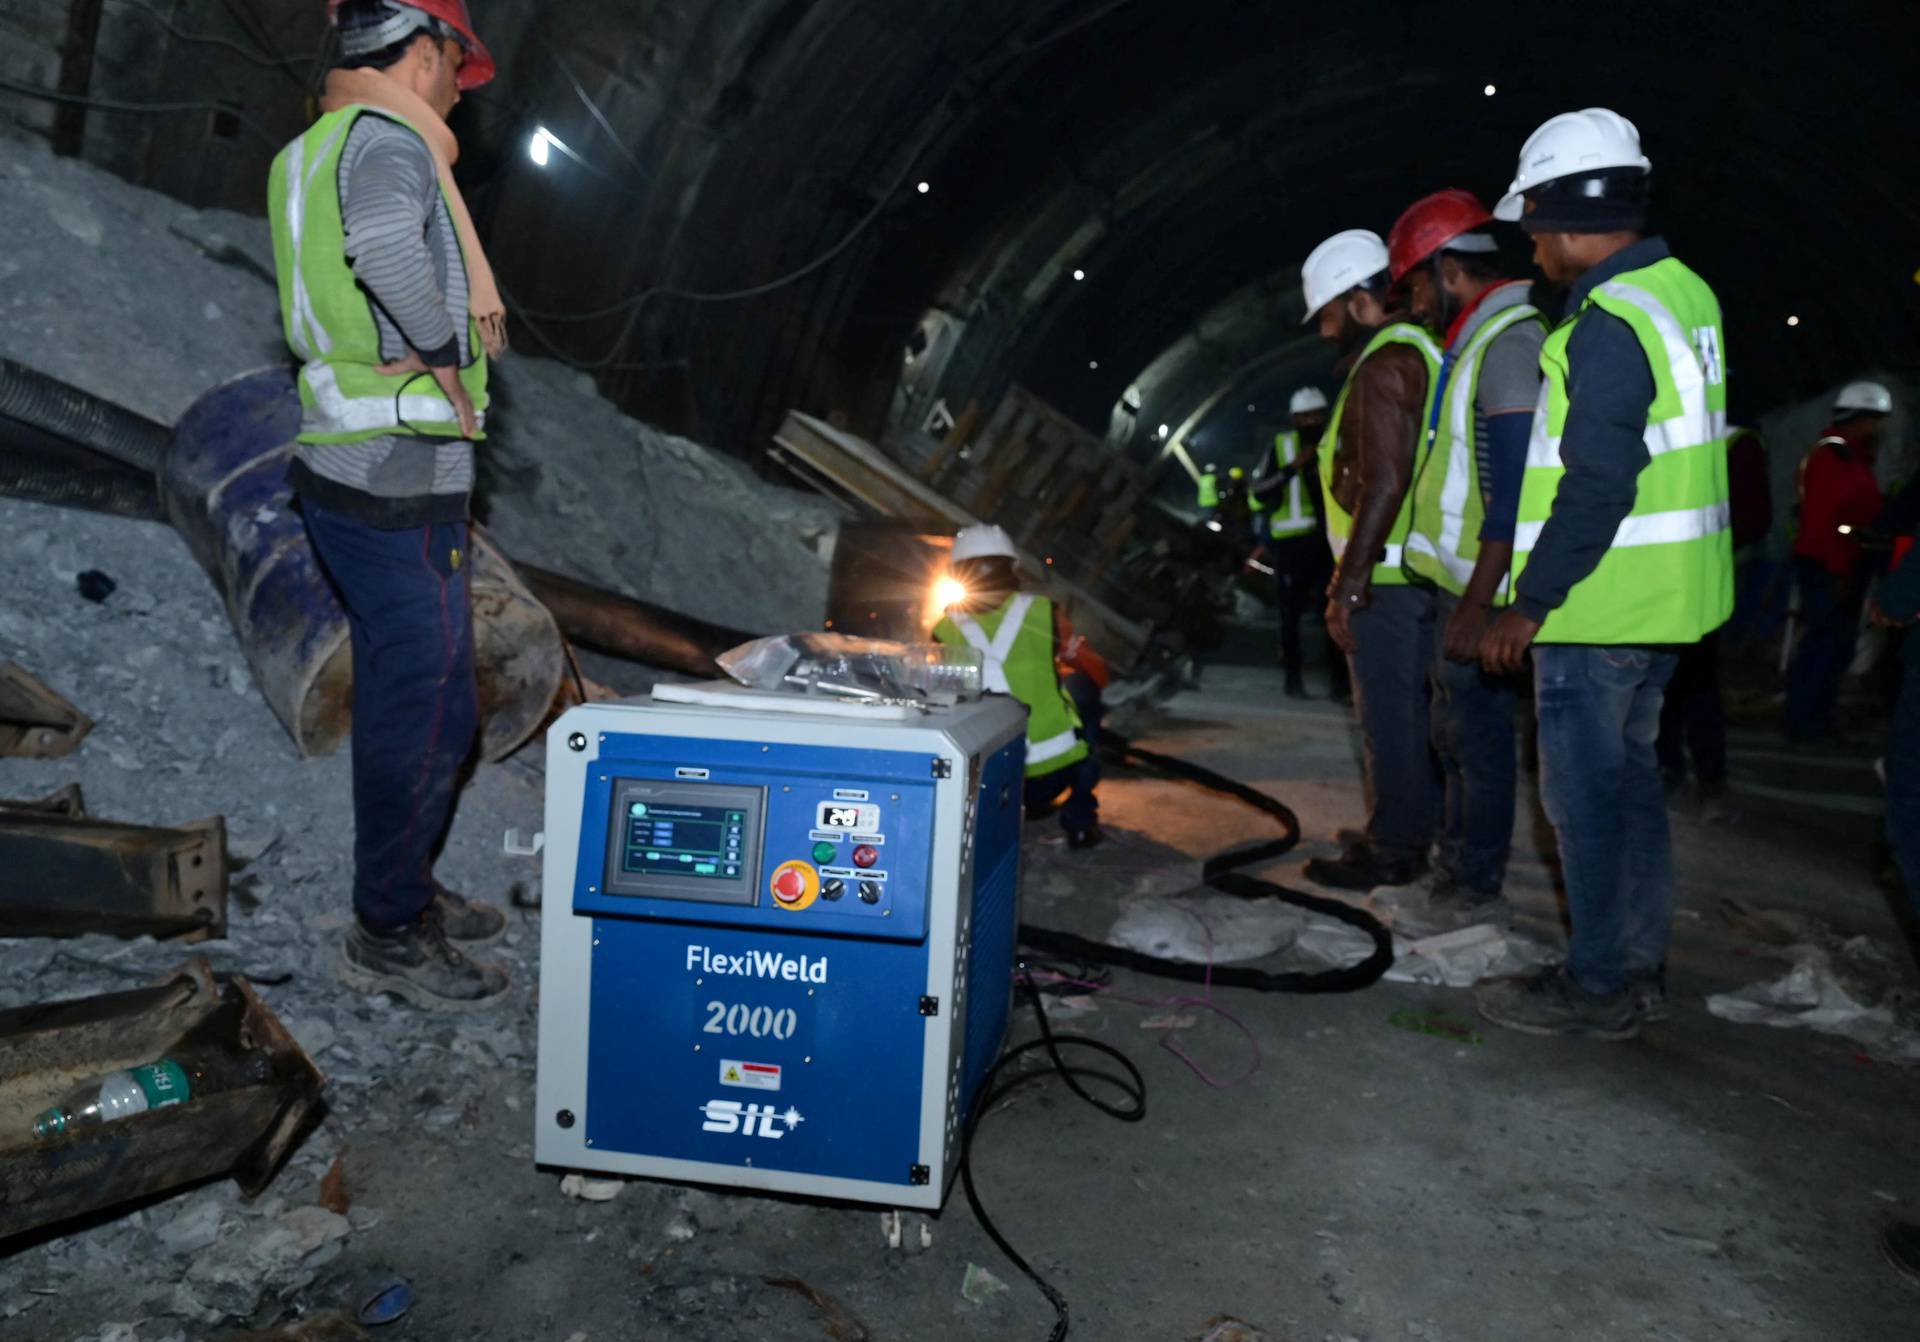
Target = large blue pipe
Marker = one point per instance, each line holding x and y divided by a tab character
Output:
223	486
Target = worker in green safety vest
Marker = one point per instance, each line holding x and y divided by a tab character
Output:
1460	536
1030	651
1283	497
1366	461
387	300
1206	497
1621	551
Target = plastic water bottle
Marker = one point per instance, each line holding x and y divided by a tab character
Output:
154	1085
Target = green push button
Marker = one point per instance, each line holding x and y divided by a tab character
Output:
824	852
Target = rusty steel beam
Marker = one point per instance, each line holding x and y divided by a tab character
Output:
45	1049
624	627
36	723
67	873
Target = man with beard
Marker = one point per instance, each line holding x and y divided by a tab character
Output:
1367	460
1460	538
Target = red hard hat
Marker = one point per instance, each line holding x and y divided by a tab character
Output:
478	67
1429	224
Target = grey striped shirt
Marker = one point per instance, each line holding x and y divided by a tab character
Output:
401	243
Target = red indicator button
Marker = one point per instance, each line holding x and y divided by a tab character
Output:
789	885
865	855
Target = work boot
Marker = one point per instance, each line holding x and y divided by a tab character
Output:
1648	989
1296	687
464	920
1550	1002
1451	907
417	962
1900	1242
1090	837
1363	868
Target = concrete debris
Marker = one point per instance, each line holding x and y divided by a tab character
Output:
1462	958
237	1275
1223	1328
589	1189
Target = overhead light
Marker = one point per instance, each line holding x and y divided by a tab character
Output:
1079	274
1793	321
1213	524
1093	363
539	148
1164	431
924	187
1489	90
1251	407
1845	530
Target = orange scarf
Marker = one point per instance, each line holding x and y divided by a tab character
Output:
376	89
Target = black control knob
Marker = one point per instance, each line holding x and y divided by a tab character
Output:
832	888
870	892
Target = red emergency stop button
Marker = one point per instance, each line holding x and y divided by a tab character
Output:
865	855
794	885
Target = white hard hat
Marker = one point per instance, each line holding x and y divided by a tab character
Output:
1342	262
1870	396
982	541
1570	144
1307	399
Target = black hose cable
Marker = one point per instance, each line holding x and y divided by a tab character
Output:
1132	1108
1221	872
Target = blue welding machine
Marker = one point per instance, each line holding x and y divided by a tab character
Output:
778	938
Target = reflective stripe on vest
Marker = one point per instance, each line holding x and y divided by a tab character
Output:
328	317
1386	569
1443	538
1018	657
1295	517
1668	576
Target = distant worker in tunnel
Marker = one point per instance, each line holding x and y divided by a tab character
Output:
1460	537
1622	551
1206	496
1283	493
1032	653
1839	498
388	301
1366	463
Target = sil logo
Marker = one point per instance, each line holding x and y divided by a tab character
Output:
749	1120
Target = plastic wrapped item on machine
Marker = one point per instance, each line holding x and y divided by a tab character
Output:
843	667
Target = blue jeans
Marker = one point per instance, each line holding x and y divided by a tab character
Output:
1830	629
415	706
1903	771
1081	810
1473	738
1599	710
1394	636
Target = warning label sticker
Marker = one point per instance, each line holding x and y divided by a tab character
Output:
749	1075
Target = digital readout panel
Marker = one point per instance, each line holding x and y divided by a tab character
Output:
857	817
692	841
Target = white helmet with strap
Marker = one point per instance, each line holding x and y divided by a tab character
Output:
1572	144
1306	400
1344	261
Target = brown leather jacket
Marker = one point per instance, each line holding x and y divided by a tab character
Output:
1373	460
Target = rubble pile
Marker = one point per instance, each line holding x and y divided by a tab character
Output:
147	302
139	299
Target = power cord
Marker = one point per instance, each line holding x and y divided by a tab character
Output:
1131	1109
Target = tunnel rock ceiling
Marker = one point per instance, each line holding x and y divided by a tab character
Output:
1185	157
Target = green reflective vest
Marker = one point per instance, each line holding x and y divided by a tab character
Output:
1209	490
1386	568
1015	641
1449	504
1668	577
329	318
1294	514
